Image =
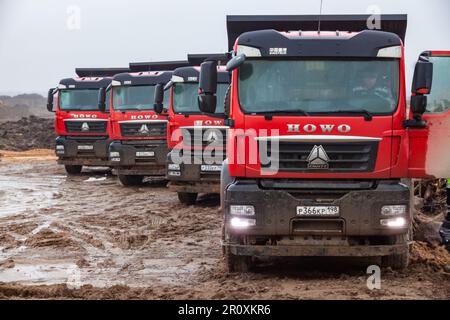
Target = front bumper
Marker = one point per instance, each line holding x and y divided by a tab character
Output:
317	251
196	174
276	209
86	151
139	157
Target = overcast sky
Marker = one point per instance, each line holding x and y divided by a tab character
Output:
42	41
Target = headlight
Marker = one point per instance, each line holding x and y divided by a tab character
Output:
398	222
173	166
59	147
393	210
242	210
242	222
114	154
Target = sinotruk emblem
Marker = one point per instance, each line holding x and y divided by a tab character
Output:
85	127
318	158
144	129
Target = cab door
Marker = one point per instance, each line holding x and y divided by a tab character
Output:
429	132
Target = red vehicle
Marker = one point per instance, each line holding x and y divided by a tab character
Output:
139	146
320	141
82	129
195	140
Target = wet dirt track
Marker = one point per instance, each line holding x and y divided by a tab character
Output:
89	237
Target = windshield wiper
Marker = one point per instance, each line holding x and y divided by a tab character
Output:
269	114
363	112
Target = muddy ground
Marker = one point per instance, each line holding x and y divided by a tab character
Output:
88	237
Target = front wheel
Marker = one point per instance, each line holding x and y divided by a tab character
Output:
73	170
237	263
130	180
188	198
396	261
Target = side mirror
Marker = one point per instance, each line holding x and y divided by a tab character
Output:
423	76
50	99
236	62
207	99
158	98
102	99
418	106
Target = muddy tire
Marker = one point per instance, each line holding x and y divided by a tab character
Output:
234	263
188	198
73	170
130	180
396	261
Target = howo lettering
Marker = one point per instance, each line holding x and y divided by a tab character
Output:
345	143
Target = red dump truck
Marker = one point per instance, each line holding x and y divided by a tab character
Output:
196	141
321	144
82	129
139	145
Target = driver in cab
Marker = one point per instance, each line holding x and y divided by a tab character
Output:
371	86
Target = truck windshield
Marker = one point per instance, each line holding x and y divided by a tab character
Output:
185	97
319	86
78	99
133	97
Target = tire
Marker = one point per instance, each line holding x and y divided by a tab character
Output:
130	180
73	170
235	263
396	261
226	101
188	198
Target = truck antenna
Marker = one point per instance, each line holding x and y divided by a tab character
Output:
320	16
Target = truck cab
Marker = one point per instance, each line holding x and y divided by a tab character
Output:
196	140
82	129
320	145
139	145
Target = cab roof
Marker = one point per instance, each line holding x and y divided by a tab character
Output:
237	25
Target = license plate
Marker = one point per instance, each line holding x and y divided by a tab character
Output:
85	147
145	154
210	167
318	210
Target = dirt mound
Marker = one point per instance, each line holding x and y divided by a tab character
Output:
437	258
27	133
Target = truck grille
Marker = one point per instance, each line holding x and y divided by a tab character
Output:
144	129
86	126
340	157
202	137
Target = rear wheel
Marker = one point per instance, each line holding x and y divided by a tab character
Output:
188	198
73	170
131	180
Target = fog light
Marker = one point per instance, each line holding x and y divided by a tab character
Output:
174	173
173	166
393	210
242	210
393	222
242	222
59	147
114	154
